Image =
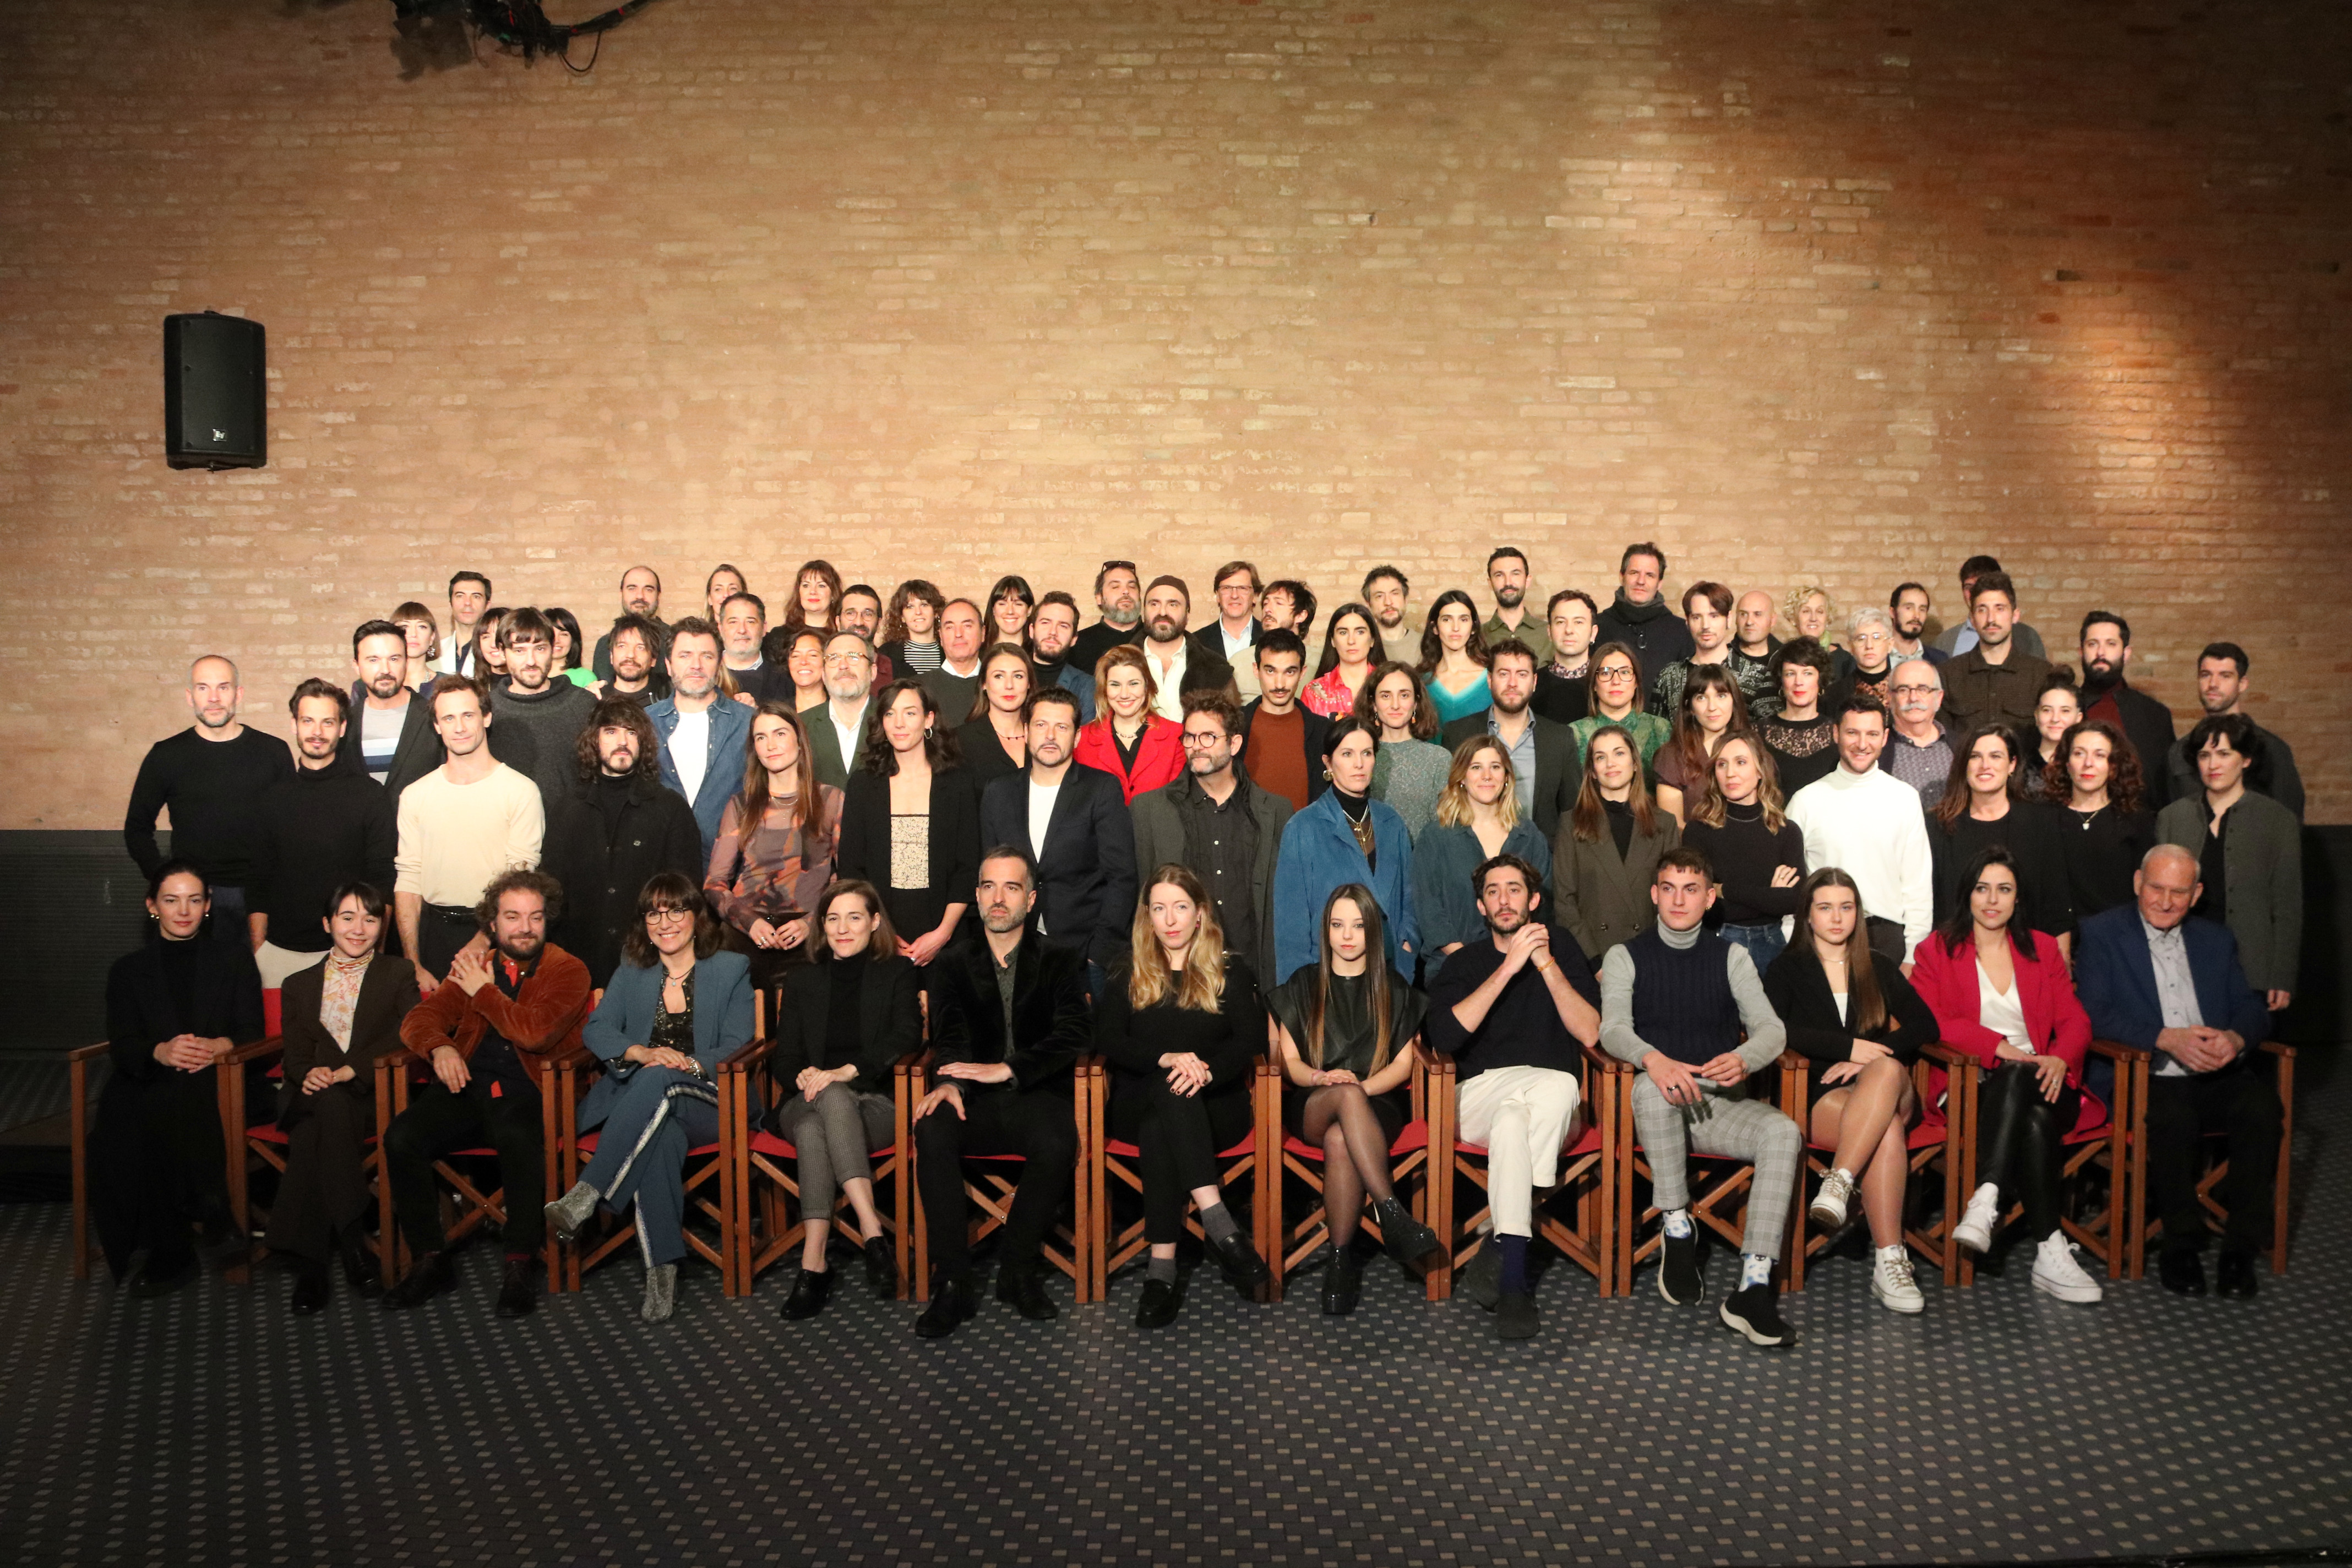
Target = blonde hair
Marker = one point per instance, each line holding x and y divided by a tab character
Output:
1796	600
1118	656
1454	805
1712	807
1150	981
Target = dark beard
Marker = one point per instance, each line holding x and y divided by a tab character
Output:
523	955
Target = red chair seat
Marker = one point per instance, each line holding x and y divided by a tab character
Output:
2090	1121
1130	1151
1414	1138
586	1144
267	1132
1590	1143
768	1143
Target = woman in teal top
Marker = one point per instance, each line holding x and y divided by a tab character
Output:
1410	773
1617	700
1453	658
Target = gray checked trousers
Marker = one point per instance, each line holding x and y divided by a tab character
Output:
1733	1126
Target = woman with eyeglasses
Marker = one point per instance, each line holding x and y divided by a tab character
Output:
1870	637
1617	700
678	1007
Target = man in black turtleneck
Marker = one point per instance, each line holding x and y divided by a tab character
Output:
611	833
328	825
1641	618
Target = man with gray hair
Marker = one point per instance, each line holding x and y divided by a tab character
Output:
211	776
1919	753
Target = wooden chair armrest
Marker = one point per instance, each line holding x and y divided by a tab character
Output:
1434	1062
253	1051
2279	1048
87	1053
742	1058
1594	1056
1945	1056
2116	1050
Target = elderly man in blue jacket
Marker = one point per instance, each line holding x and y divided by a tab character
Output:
2153	978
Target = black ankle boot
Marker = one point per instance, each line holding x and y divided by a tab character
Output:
310	1288
1343	1282
359	1262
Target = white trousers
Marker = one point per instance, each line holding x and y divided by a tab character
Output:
1522	1116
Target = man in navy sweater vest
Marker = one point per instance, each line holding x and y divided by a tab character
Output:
1672	1003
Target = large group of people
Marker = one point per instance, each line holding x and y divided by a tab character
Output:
1659	829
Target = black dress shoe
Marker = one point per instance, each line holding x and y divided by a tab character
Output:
309	1288
1404	1238
951	1307
1343	1282
2181	1270
810	1293
1482	1277
161	1279
881	1270
359	1266
1240	1261
1025	1290
431	1276
1515	1317
1162	1301
2236	1275
1679	1278
518	1291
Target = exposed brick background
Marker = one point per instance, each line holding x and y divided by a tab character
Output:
1836	291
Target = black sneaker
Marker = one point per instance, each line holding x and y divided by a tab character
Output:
1755	1311
1515	1317
1679	1278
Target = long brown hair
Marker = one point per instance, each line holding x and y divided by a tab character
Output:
1150	981
827	574
1714	807
1954	805
1865	1005
1690	740
893	622
2126	789
1590	823
939	740
1454	805
989	655
1424	712
808	812
1376	972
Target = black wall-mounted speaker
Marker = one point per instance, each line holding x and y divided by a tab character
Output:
214	392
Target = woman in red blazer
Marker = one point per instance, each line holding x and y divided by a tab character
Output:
2001	992
1130	742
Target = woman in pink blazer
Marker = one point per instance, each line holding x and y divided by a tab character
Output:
2001	992
1130	742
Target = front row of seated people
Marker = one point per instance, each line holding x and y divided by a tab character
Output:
1181	1025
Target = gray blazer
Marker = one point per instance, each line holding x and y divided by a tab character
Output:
2264	888
1604	900
1160	838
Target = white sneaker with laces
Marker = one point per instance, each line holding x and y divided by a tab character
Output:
2055	1270
1891	1282
1975	1229
1829	1207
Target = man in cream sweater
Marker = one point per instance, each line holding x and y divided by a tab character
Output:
467	822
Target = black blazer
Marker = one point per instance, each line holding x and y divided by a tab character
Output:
1559	767
387	992
889	1024
954	847
2147	725
1051	1022
1800	992
140	1014
1086	867
417	753
602	876
1318	731
985	757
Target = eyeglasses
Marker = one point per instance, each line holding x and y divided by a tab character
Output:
669	917
844	659
1915	690
1195	737
1118	566
1612	672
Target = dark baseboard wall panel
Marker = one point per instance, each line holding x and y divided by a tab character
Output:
77	903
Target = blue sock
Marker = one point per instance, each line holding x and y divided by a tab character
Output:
1515	1263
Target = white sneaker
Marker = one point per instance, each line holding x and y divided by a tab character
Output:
1891	1282
1829	1204
2055	1270
1975	1229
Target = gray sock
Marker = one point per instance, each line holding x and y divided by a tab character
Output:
1160	1268
1218	1221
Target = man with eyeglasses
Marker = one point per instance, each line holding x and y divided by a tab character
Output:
1221	824
836	732
1118	593
1919	753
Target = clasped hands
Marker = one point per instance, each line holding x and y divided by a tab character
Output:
1680	1084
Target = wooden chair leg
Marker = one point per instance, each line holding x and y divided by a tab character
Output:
2280	1188
77	1089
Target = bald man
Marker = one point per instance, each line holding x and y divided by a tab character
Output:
211	776
640	596
1752	647
2152	978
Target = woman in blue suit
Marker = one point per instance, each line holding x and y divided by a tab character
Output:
1344	835
675	1008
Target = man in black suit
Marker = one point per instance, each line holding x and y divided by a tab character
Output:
1071	820
390	737
1181	665
836	732
1009	1017
1542	751
2146	724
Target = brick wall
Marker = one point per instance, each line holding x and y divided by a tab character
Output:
1802	291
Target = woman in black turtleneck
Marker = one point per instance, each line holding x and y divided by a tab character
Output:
1758	855
157	1161
1606	853
1344	835
841	1027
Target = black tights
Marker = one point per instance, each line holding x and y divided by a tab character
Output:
1339	1117
2018	1134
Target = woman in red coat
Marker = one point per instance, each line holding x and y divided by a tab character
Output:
1130	742
2001	992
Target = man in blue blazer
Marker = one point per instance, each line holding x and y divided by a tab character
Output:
2154	979
715	730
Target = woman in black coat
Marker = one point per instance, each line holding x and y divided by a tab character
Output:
157	1161
1181	1025
841	1025
1851	1010
910	822
341	1014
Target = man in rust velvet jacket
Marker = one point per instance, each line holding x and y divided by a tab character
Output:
488	1032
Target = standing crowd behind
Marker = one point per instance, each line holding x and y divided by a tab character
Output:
1688	833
